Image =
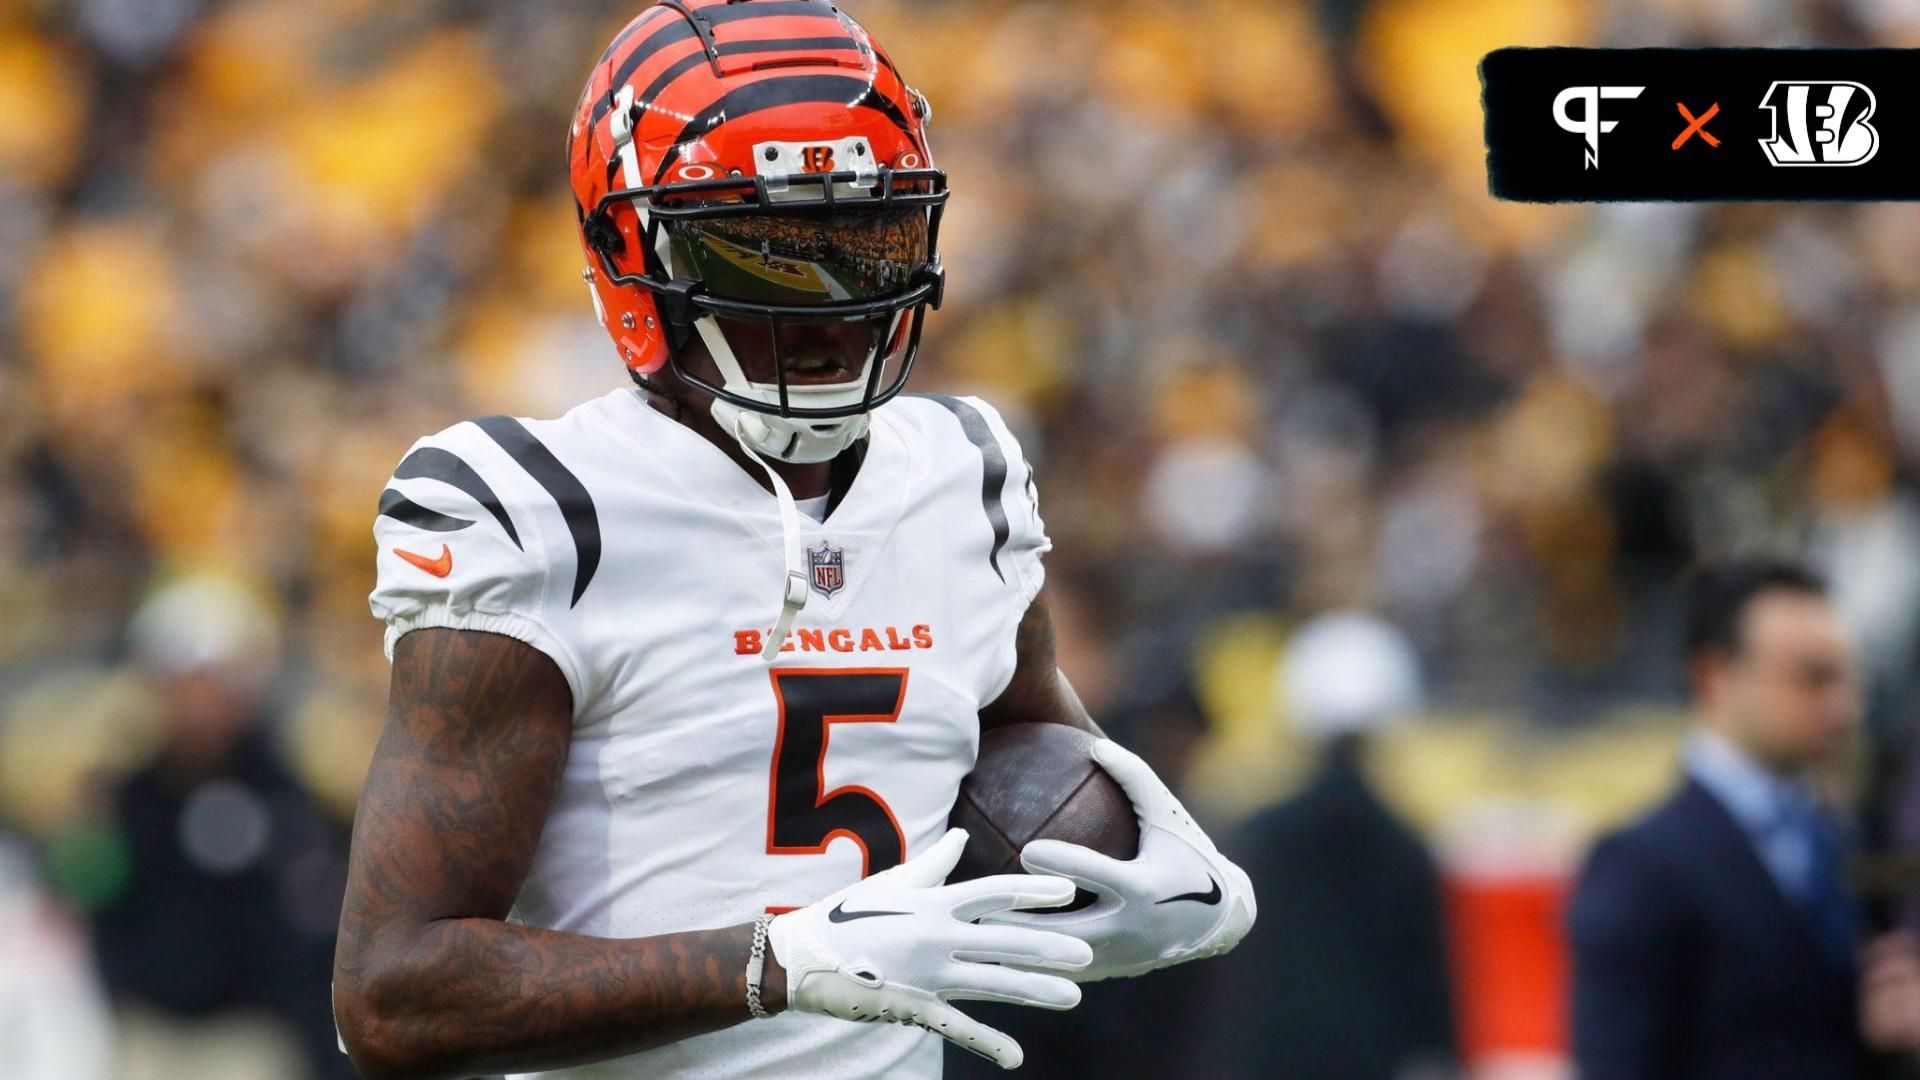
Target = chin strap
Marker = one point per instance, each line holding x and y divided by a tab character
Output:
795	597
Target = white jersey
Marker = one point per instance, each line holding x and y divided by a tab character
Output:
706	786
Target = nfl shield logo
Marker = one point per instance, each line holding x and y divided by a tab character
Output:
829	569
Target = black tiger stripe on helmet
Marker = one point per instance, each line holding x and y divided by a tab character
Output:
817	19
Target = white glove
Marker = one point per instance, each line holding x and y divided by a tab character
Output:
1179	899
899	945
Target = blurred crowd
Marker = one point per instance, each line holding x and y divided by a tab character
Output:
1229	267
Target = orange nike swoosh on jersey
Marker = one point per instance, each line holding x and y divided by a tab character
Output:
439	567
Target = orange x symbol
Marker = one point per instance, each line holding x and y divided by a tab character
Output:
1697	125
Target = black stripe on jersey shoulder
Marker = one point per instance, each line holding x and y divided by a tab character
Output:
993	471
433	463
576	505
407	512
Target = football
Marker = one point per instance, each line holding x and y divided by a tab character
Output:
1039	781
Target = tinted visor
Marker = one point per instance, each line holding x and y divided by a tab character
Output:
802	259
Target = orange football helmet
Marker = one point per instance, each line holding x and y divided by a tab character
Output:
743	168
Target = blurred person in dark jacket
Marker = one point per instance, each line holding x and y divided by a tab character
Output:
1349	980
235	876
1715	936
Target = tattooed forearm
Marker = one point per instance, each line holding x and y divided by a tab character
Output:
429	979
1039	692
478	996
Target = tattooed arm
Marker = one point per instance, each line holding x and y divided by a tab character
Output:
429	980
1039	691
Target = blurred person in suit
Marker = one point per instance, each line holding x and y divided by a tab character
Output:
220	944
1715	936
1350	981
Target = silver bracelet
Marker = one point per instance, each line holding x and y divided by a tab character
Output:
757	966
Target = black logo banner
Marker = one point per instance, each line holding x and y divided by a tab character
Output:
1603	125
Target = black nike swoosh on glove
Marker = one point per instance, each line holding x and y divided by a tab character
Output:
841	914
1212	896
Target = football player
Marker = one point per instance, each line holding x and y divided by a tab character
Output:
685	681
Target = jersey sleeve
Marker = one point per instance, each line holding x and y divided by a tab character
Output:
458	550
1019	558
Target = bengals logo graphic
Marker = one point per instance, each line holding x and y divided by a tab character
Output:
1820	123
816	159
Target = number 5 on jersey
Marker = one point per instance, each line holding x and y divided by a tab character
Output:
803	817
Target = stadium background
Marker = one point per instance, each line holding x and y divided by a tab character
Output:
1229	267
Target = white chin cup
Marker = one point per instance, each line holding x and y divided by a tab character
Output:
800	442
791	439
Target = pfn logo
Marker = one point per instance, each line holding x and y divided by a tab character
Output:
1826	124
1589	123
